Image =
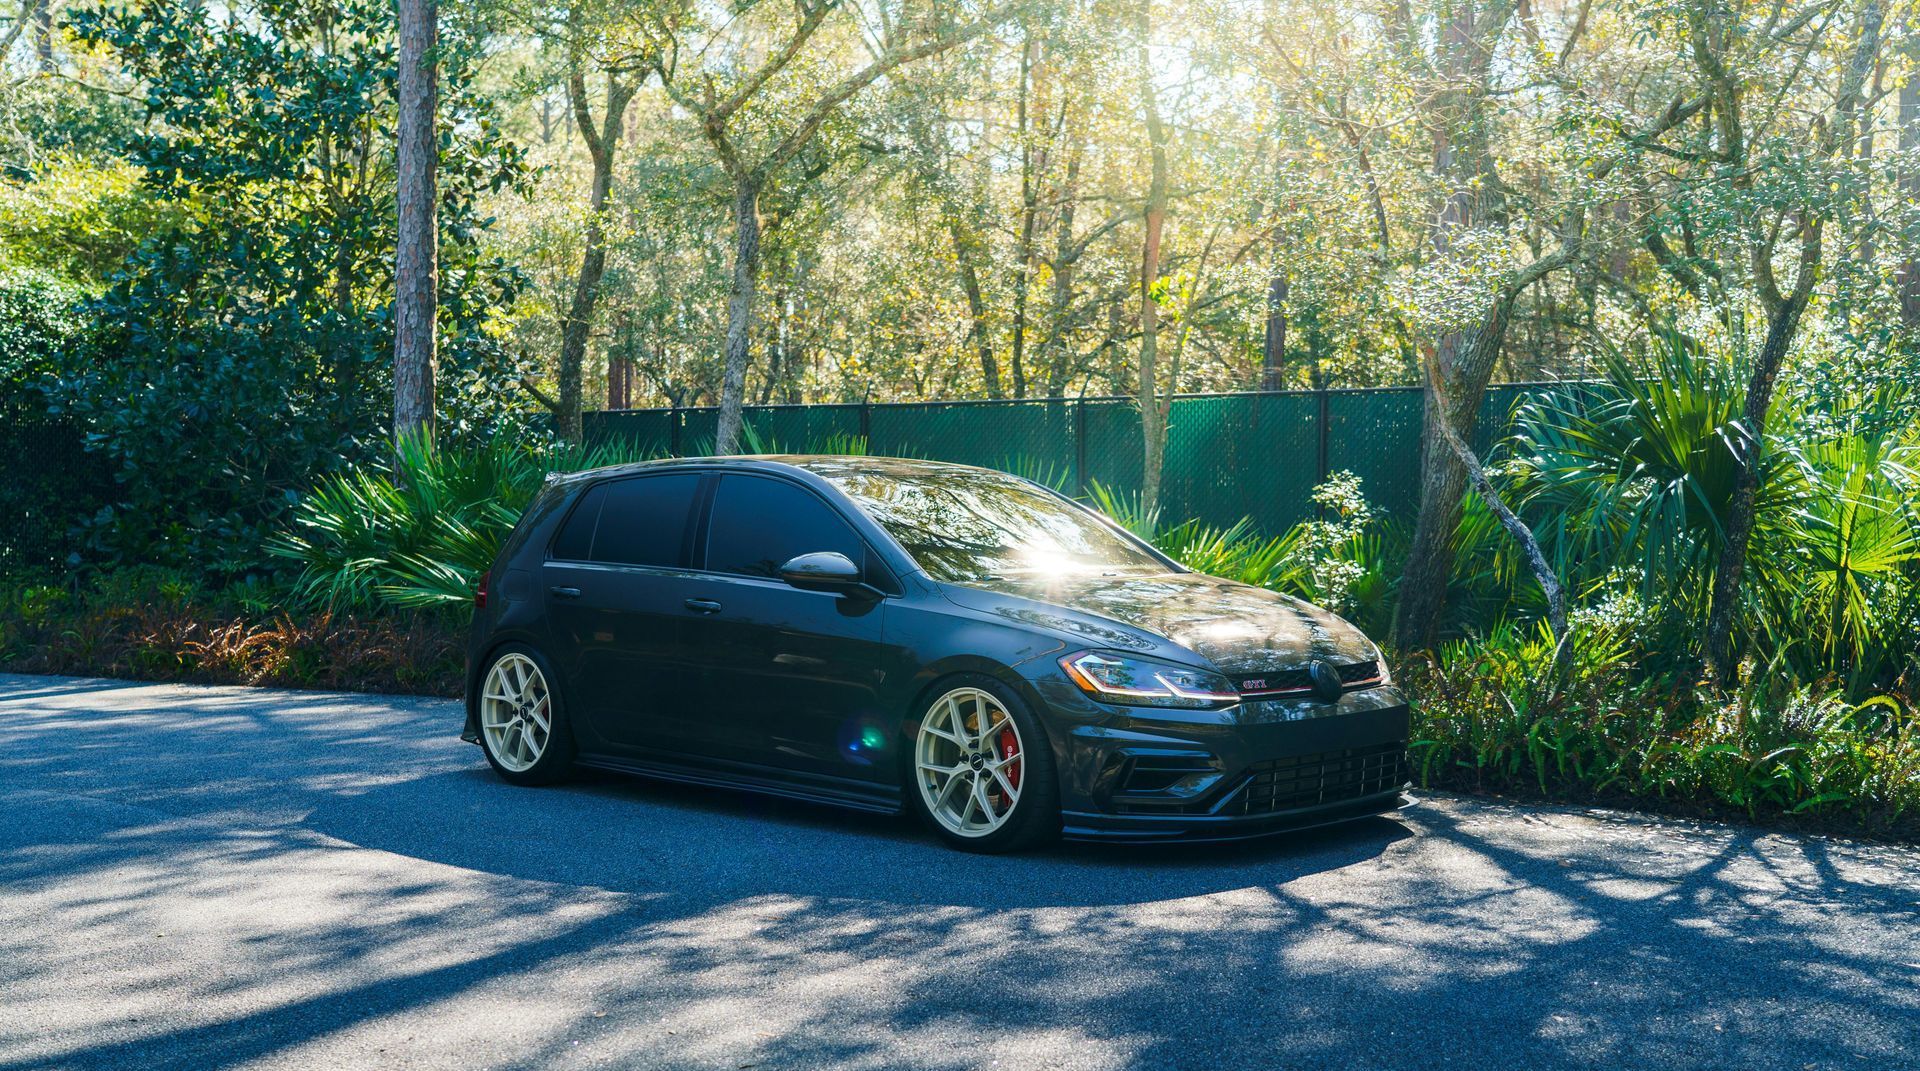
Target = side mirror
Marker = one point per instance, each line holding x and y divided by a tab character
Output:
823	570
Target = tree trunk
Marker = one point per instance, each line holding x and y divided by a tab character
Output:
963	251
795	345
1029	210
43	36
1464	363
746	275
1273	355
1153	411
416	255
1781	328
1837	142
1908	276
575	332
1463	158
1543	573
1066	254
1316	353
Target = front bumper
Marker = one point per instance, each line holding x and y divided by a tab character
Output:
1140	829
1147	774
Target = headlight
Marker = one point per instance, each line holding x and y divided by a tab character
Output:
1143	682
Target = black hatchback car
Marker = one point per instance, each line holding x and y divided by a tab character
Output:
889	634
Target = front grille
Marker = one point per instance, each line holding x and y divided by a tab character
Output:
1299	680
1326	777
1355	672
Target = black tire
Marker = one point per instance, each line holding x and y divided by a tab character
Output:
1035	818
555	761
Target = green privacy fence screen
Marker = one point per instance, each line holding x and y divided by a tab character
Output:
1255	455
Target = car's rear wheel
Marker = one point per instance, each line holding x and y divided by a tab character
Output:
983	774
523	726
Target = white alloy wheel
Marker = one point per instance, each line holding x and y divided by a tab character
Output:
969	761
516	712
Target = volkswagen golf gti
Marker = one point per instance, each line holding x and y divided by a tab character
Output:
890	634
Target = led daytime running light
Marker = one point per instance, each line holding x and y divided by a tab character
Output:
1187	693
1168	689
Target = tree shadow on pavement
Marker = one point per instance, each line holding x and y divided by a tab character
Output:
403	906
710	845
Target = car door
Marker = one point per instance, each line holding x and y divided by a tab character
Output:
617	580
792	675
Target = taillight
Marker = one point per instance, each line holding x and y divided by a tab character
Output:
480	593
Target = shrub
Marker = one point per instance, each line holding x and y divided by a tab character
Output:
40	322
421	529
1485	721
158	624
51	483
1637	481
245	346
80	218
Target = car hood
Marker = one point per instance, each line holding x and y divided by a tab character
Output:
1237	627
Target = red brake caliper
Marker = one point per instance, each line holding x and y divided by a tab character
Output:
1010	747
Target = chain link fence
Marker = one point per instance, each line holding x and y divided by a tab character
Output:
1254	455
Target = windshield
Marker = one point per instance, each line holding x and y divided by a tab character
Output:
968	525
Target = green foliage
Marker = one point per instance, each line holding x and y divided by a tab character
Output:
1040	471
1234	552
842	444
1485	721
1329	559
1636	481
1639	474
1838	570
39	324
245	348
80	217
1126	510
421	529
51	482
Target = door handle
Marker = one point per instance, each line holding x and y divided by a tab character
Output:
703	606
564	593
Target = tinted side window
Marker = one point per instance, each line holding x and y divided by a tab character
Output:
759	523
644	521
575	541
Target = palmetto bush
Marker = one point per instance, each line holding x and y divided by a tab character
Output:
1838	569
1637	474
421	529
1636	481
1484	720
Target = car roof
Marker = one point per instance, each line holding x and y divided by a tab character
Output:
822	465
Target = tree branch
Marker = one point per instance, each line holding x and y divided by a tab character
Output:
1536	558
872	72
539	395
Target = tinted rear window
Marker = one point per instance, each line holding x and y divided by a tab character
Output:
639	521
645	520
575	541
759	523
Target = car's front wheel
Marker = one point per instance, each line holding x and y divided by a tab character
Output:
983	774
523	722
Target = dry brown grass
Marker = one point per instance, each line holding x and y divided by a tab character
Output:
419	653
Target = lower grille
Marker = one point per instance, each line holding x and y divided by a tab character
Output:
1326	777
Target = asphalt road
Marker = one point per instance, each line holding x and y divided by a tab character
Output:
204	878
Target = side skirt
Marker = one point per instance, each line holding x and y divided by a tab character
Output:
853	795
